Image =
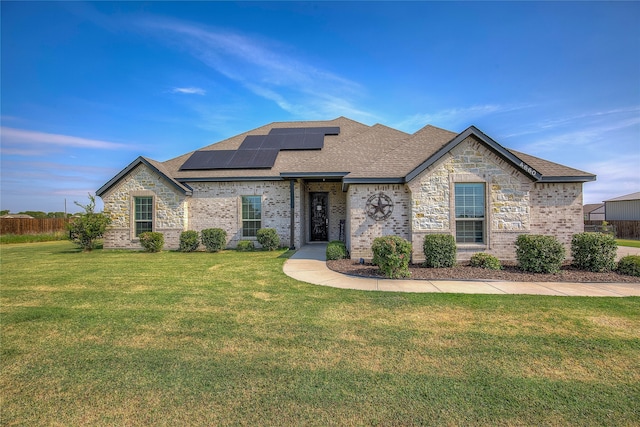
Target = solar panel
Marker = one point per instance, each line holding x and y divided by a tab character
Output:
260	151
242	159
265	158
252	142
208	159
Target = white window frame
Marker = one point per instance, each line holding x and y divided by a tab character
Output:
133	221
472	212
243	229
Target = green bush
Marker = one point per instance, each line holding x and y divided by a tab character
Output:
484	260
245	246
268	238
539	254
189	241
336	250
629	265
151	241
392	254
214	239
594	251
439	250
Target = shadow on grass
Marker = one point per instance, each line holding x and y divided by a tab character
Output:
287	254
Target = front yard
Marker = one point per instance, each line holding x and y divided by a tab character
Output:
122	338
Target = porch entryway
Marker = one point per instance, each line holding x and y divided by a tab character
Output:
319	217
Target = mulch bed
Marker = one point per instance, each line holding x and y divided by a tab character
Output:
510	272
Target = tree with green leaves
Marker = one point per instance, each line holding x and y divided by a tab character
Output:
89	226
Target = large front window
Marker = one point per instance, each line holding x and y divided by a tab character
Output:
143	214
470	212
251	215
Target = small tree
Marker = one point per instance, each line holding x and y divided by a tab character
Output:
88	226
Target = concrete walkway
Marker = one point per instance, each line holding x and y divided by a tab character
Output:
309	265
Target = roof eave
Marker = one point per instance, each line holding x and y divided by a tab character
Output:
348	181
585	178
313	175
230	178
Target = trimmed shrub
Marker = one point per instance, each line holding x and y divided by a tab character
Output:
484	260
268	238
151	241
189	241
336	249
392	254
594	251
439	250
629	265
539	254
245	246
214	239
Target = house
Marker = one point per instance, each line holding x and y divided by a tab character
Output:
340	179
623	208
593	212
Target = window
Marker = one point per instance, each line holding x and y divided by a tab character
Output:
143	214
470	213
251	215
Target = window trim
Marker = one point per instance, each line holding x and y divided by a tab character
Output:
132	213
242	218
484	220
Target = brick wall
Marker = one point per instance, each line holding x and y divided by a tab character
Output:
218	205
363	229
556	209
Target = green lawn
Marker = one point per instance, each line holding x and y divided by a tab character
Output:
631	243
122	338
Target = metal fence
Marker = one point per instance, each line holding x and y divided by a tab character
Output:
32	225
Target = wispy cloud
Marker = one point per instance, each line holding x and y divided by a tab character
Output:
28	142
616	177
591	130
454	117
189	90
264	68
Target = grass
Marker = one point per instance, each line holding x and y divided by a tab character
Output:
627	242
6	239
122	338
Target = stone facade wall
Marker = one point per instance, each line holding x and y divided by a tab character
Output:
507	200
363	230
169	208
219	205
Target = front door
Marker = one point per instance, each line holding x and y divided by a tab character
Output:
319	217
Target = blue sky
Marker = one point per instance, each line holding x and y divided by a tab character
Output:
88	87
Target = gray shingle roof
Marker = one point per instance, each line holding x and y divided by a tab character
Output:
358	153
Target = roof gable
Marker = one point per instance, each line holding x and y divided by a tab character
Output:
511	158
151	164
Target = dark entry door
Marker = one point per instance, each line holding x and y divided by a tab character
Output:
319	217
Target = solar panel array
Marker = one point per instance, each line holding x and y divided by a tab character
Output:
260	151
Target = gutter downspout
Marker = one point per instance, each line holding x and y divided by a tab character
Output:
292	214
